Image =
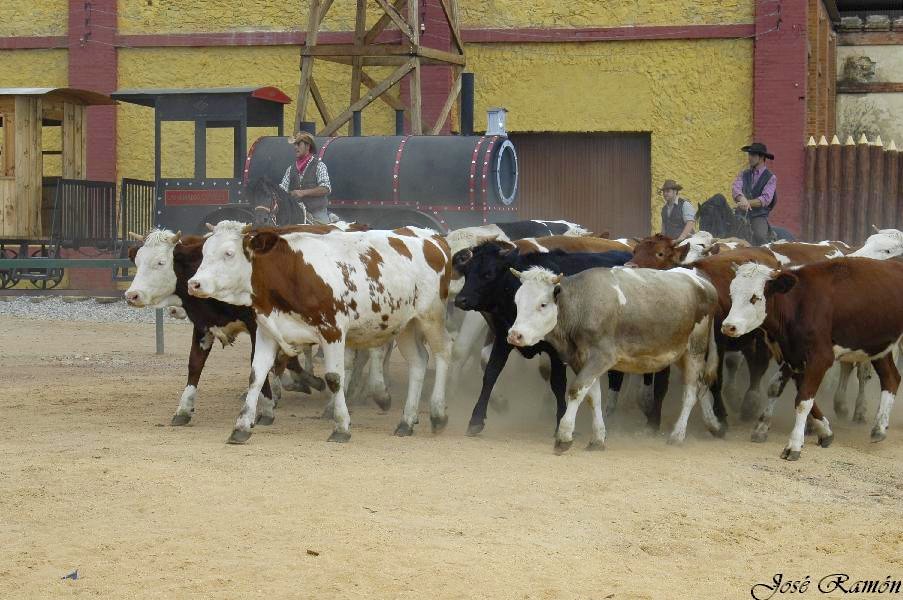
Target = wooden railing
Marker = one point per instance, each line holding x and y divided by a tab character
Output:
850	187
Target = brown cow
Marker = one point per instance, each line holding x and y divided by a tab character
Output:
816	314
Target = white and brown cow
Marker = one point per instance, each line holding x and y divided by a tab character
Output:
814	315
603	319
884	244
340	289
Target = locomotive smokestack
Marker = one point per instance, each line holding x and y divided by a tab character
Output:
466	104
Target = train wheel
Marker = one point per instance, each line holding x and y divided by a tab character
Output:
50	277
6	275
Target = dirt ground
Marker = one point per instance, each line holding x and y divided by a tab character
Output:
92	477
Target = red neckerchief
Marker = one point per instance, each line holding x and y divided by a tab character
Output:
301	163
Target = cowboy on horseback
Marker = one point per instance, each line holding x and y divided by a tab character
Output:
678	215
755	192
307	180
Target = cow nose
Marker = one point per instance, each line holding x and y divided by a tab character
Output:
515	338
194	285
131	297
729	330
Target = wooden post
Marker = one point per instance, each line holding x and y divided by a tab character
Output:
360	27
821	190
29	167
809	206
74	141
307	64
8	166
848	202
862	190
416	95
891	186
835	187
876	186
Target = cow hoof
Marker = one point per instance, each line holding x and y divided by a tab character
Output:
720	432
297	387
759	436
596	446
825	441
562	447
404	430
180	419
438	423
878	435
859	418
339	436
239	437
475	428
792	455
265	420
674	440
383	401
317	383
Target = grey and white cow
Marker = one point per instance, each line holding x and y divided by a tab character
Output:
604	319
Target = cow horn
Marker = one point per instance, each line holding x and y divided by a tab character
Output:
176	237
515	272
875	227
735	267
210	227
557	279
136	237
246	229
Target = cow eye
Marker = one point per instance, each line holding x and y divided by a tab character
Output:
230	253
754	299
543	305
660	255
161	262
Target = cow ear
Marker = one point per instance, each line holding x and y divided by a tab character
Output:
461	258
263	242
555	292
682	252
133	251
176	237
134	236
715	249
781	284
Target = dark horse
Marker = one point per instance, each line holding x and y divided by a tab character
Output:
272	205
722	221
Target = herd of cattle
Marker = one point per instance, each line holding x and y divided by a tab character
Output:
595	305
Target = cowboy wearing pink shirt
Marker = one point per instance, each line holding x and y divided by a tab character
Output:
755	192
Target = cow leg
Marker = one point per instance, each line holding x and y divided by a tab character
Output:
411	347
595	400
197	358
717	387
588	373
377	391
647	392
354	386
863	374
472	330
615	382
659	391
840	393
334	362
558	381
731	366
497	359
775	389
807	387
693	365
439	342
758	356
890	381
264	354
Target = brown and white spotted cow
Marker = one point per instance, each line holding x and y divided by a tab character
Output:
340	289
816	314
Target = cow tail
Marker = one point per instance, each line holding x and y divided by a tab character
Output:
711	355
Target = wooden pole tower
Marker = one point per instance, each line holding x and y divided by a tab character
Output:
407	58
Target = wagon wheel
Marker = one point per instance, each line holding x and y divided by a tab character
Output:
51	277
6	275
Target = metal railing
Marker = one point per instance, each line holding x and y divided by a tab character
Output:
137	200
84	214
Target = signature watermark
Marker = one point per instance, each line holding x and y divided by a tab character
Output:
836	584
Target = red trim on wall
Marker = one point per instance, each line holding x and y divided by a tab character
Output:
33	43
240	38
779	101
603	34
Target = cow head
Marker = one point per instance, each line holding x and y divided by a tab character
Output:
225	271
885	244
470	237
752	286
155	280
483	268
537	306
658	252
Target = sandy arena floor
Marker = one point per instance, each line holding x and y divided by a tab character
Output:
92	477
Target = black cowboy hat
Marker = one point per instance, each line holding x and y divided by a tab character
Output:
757	148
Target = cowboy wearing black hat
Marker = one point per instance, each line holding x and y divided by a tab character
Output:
755	192
678	215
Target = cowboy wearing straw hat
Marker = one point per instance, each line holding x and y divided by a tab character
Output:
755	192
678	215
307	180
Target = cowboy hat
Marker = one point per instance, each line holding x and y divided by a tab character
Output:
303	136
757	148
670	184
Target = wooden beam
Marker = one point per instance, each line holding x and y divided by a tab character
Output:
360	26
441	56
446	108
409	29
383	21
386	97
335	50
8	163
323	10
870	38
452	19
74	142
415	89
26	220
318	100
384	85
313	27
871	87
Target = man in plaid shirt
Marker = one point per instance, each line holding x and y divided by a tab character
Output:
307	180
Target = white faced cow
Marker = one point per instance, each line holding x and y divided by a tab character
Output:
603	319
882	245
812	315
357	289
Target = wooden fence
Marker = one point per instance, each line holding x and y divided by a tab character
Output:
851	187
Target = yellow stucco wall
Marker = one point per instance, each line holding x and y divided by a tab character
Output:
695	97
34	17
602	13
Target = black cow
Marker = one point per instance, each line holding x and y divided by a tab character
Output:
489	287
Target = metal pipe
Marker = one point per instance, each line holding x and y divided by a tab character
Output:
158	325
466	104
309	126
356	123
399	121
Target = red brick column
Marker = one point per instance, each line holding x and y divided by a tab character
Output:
435	80
779	106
